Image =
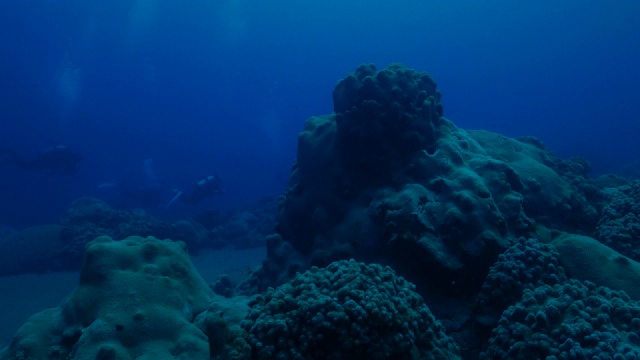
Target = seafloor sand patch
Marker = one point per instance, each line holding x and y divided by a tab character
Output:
234	263
24	295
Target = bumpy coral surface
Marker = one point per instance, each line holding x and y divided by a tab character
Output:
136	299
348	310
240	229
573	320
384	116
88	218
619	226
525	265
388	179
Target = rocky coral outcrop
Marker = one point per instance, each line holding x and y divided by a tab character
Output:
619	226
88	218
239	229
573	320
587	259
388	179
137	298
348	310
527	264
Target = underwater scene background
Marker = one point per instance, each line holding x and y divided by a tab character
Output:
240	179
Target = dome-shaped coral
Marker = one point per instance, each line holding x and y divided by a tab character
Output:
525	265
619	227
348	310
573	320
384	116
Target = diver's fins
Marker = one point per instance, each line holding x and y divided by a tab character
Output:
176	197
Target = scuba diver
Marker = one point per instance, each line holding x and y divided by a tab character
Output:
205	188
56	159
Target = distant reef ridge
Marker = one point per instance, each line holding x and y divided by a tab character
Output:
400	236
60	246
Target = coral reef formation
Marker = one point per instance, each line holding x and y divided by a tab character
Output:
587	259
239	229
515	251
619	226
388	179
525	265
136	298
573	320
88	218
384	117
59	247
348	310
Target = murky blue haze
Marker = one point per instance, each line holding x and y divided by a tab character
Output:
223	87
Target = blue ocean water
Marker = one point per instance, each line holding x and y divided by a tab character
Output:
155	97
224	87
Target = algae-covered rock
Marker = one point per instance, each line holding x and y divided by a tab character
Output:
136	299
587	259
552	191
221	322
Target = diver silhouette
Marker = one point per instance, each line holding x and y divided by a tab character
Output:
57	159
205	188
